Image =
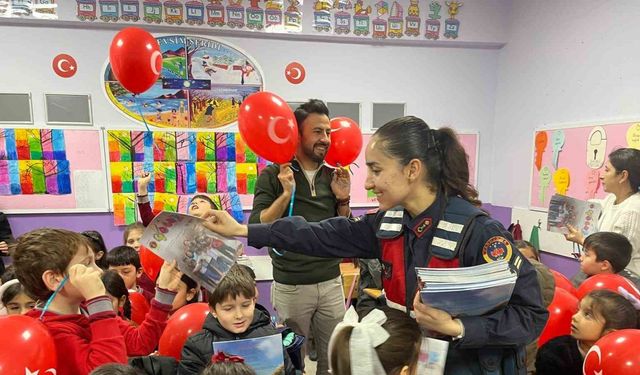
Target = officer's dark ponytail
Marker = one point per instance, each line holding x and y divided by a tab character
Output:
446	161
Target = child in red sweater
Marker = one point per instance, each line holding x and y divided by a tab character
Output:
58	266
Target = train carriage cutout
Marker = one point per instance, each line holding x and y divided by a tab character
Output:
130	10
379	28
322	20
273	18
173	12
292	20
342	22
235	16
87	10
255	18
109	10
215	14
361	24
432	29
396	22
195	12
152	10
412	26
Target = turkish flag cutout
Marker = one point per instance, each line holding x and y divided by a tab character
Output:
64	65
295	73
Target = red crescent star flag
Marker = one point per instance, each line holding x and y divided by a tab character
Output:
64	65
295	73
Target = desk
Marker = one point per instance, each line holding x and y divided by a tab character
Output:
350	278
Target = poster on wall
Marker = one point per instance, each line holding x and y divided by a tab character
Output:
33	161
202	84
387	19
35	9
272	16
181	165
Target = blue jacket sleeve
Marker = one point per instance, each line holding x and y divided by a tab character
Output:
523	318
337	237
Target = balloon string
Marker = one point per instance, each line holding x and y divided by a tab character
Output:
293	197
46	305
139	102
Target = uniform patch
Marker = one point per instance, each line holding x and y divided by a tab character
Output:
497	248
422	227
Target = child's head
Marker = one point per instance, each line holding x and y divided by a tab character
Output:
97	245
601	312
132	235
200	204
221	364
528	250
252	274
9	274
187	293
398	354
233	301
115	369
117	291
15	299
43	257
126	262
605	252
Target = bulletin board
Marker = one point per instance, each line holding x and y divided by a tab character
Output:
569	160
363	198
52	171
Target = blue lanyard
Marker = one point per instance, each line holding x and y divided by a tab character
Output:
46	305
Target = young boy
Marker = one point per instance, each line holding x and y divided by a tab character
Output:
232	316
125	261
43	259
605	253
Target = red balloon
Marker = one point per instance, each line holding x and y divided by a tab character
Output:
562	308
268	127
182	324
135	59
611	282
151	263
614	354
26	345
346	142
562	282
139	307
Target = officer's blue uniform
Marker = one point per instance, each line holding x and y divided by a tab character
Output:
493	343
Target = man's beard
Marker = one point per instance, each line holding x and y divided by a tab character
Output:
311	153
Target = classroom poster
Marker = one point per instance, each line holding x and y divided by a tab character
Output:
181	164
202	85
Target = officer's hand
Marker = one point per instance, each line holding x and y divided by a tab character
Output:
286	178
574	235
221	222
341	183
435	319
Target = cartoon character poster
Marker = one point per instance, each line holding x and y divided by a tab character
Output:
202	84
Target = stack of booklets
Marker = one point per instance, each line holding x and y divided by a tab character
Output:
467	291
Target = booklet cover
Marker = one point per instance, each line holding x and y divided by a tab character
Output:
263	354
564	211
200	254
467	291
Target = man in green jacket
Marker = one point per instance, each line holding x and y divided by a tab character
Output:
306	290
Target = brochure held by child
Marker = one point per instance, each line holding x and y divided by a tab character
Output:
467	291
200	254
563	211
263	354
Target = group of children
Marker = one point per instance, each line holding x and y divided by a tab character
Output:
600	311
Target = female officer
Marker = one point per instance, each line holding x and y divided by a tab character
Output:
428	216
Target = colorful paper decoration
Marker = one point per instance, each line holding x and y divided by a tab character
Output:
561	180
124	209
247	174
121	177
557	143
545	180
206	181
596	147
633	136
541	145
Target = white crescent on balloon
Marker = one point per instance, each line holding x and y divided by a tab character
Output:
271	130
51	371
153	59
595	349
